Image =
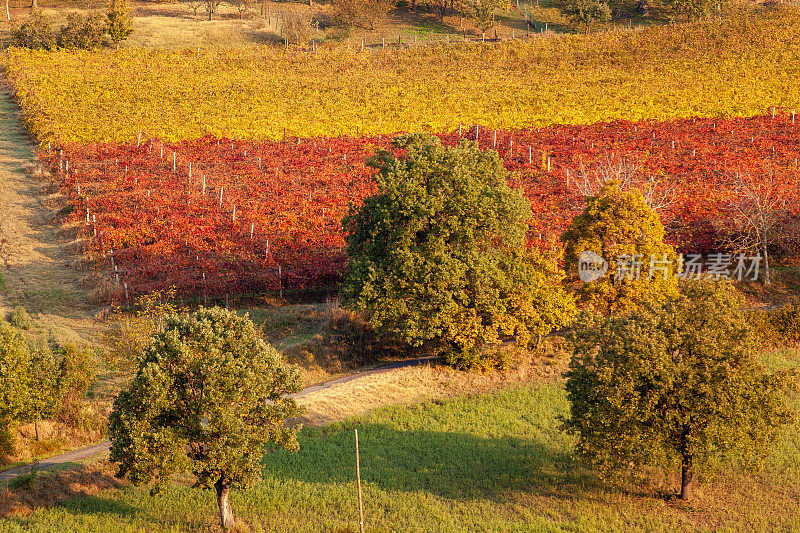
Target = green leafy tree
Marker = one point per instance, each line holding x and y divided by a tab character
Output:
485	10
674	383
43	398
15	384
208	395
75	375
618	226
119	25
587	13
439	253
693	9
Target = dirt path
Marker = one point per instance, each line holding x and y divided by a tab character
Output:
103	447
38	257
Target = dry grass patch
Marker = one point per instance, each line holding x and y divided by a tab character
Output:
430	382
51	488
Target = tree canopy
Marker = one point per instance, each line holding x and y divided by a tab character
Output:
619	226
208	395
671	384
439	253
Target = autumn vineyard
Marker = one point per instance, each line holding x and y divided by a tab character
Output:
219	216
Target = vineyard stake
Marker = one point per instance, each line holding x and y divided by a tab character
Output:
477	129
220	195
252	227
233	218
459	131
530	156
548	163
266	251
204	184
190	170
358	482
495	138
174	162
139	141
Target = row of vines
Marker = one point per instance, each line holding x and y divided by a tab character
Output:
214	216
738	66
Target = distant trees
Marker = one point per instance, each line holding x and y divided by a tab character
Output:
693	9
588	12
362	13
208	395
39	381
83	32
485	10
673	384
438	255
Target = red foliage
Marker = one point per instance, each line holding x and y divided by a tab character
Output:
164	231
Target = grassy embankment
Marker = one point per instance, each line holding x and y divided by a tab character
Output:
493	462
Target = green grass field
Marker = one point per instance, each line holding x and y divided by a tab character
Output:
494	462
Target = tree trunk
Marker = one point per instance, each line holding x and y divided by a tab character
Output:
34	5
223	486
767	279
36	428
687	476
8	12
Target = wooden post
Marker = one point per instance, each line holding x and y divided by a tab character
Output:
139	142
358	483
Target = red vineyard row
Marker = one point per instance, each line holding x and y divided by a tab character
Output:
215	216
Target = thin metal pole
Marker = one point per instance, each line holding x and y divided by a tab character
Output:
358	481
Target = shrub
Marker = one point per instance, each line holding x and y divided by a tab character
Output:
439	254
118	24
20	318
82	32
36	33
361	13
297	29
776	326
673	384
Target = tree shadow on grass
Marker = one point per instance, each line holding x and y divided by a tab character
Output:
74	488
451	465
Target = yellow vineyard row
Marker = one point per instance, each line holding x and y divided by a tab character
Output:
737	66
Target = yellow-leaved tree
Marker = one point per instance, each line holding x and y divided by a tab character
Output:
618	226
